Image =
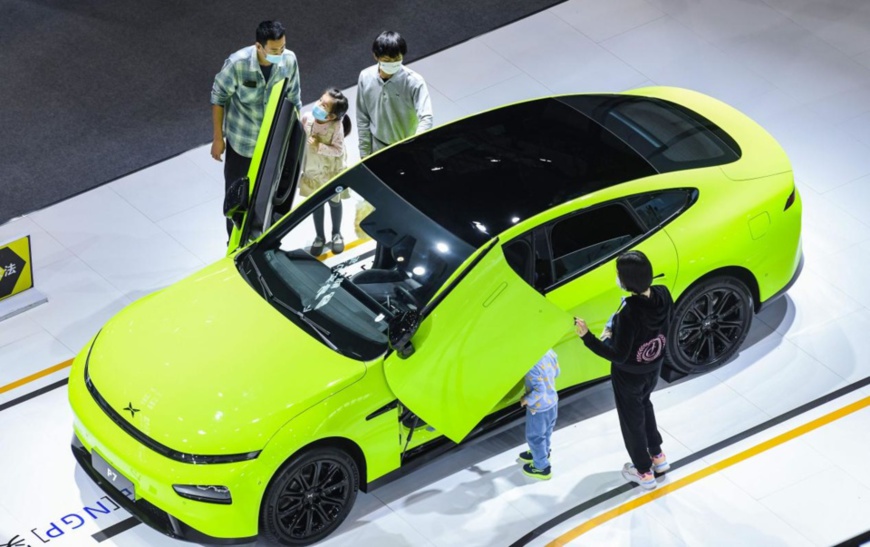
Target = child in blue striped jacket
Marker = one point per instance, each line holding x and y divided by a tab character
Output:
541	402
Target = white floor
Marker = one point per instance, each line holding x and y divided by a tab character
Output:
800	67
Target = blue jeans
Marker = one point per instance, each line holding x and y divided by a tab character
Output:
539	429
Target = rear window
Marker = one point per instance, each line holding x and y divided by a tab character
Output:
670	137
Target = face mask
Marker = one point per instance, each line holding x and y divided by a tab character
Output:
319	113
274	59
390	68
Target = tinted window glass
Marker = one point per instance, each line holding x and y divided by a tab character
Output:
655	209
585	239
480	175
519	256
671	137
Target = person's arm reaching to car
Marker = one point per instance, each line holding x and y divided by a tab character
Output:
619	348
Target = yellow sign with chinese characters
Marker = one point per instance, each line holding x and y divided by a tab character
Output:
16	273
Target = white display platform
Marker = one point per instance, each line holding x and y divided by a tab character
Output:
20	303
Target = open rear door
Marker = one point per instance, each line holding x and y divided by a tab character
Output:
274	172
474	347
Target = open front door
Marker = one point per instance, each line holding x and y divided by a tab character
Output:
267	194
474	347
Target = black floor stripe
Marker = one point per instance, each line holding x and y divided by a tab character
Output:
116	529
610	494
856	541
32	394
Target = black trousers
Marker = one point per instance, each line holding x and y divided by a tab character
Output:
235	167
636	416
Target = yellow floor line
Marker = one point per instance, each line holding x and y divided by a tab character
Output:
666	489
35	376
349	246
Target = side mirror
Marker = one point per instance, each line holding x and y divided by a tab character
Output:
236	200
402	329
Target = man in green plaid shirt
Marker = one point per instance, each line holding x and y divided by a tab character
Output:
240	93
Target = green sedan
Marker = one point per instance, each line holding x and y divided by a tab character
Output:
259	395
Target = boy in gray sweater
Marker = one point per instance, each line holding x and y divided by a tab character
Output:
392	101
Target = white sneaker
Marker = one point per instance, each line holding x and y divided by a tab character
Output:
647	481
660	463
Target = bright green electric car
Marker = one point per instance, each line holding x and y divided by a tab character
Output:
258	395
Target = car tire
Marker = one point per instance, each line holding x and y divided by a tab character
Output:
711	321
309	497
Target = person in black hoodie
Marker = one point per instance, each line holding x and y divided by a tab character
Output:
635	348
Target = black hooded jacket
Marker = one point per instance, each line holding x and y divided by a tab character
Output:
639	333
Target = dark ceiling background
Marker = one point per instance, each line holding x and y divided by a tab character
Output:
92	90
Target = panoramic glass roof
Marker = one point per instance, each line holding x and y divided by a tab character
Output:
480	175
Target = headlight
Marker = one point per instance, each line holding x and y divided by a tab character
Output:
210	494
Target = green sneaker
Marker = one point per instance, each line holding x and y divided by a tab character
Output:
529	470
526	457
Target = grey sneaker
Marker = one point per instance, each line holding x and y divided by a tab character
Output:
317	246
337	243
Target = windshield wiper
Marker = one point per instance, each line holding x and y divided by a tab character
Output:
322	332
266	291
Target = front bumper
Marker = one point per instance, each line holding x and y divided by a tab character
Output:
146	512
153	475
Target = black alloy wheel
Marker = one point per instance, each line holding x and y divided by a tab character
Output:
710	322
310	497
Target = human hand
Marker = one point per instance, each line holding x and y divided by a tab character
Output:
311	140
523	402
580	326
217	148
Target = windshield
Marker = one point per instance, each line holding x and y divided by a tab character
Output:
388	259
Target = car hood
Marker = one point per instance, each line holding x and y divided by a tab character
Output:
211	366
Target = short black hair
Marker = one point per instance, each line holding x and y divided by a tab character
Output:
269	30
390	44
634	271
